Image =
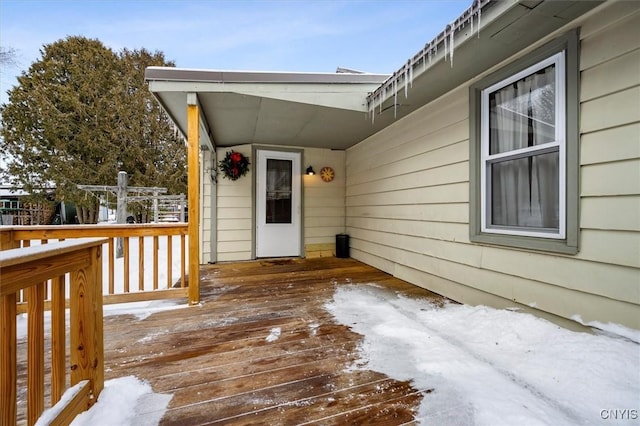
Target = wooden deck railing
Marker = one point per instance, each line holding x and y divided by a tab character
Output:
141	268
27	270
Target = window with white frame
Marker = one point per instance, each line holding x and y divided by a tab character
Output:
524	151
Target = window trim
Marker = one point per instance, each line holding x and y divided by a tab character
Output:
566	239
557	145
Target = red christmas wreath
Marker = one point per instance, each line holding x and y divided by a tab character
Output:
234	165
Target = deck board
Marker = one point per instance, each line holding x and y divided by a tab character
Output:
216	362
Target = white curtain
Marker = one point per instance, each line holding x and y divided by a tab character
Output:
524	191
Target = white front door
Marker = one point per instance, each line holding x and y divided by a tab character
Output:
278	204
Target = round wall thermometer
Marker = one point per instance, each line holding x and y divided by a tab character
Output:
326	173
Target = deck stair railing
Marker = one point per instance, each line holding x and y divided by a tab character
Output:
32	284
144	275
26	270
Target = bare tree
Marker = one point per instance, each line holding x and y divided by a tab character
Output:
8	56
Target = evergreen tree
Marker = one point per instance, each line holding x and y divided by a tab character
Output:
81	114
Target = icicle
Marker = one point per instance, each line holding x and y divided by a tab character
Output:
446	49
395	97
410	75
479	15
471	19
451	44
424	56
371	106
405	77
381	100
408	78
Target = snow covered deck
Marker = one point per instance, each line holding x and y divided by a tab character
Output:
266	346
262	348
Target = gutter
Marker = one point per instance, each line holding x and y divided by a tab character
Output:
173	74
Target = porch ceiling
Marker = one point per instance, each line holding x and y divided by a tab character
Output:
312	110
325	110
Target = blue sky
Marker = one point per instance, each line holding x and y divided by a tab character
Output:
285	35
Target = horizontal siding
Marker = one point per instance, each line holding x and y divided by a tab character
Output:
597	81
324	205
237	235
455	192
448	231
408	187
612	41
608	145
324	202
613	110
446	174
233	224
321	221
445	126
234	246
234	202
591	306
436	158
619	248
611	213
612	178
608	17
234	212
323	233
559	271
233	256
434	212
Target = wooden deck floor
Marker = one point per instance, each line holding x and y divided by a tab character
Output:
220	367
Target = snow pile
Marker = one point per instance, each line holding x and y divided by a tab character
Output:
274	334
123	401
490	367
134	255
164	281
140	310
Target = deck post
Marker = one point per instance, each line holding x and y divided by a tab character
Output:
193	177
7	241
85	302
121	208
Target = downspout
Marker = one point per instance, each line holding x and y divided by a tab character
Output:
214	206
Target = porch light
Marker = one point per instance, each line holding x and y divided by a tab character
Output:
310	171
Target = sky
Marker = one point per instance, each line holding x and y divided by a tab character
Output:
376	36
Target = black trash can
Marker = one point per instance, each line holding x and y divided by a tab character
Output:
342	245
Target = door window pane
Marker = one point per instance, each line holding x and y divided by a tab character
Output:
279	191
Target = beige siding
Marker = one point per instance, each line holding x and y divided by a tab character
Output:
234	212
324	202
610	145
324	207
408	190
